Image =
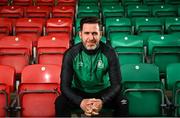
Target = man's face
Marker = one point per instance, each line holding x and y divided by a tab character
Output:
90	35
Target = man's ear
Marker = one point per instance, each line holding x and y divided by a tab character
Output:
80	34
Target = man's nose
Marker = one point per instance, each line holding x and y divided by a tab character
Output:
91	36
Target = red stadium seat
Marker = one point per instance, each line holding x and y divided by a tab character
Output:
15	52
66	2
58	25
40	85
31	27
4	2
5	26
45	2
63	11
6	86
22	2
38	12
51	48
12	11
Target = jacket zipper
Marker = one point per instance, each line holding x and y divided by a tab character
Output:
91	69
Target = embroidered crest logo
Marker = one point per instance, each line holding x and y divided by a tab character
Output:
100	64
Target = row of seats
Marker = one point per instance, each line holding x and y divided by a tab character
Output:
40	86
38	2
127	2
128	11
160	50
19	52
112	25
37	11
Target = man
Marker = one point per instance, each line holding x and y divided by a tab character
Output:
90	77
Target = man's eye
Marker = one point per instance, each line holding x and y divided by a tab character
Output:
94	33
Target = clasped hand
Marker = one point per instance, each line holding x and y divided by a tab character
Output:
91	107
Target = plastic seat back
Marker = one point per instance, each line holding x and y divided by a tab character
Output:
22	2
15	52
51	48
45	2
12	12
38	12
58	25
38	90
173	84
5	26
163	50
130	49
141	83
6	87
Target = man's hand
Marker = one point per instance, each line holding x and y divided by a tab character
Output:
91	106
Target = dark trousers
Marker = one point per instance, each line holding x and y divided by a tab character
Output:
63	106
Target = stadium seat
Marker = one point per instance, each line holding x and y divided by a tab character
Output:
117	25
12	12
38	12
6	87
153	2
22	2
39	87
15	52
173	2
109	2
147	27
173	84
58	25
45	2
129	48
5	26
172	26
4	2
50	49
163	50
143	89
88	2
131	2
164	11
66	2
30	27
138	11
87	10
63	11
113	11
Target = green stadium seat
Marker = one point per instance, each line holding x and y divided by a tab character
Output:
153	2
112	11
173	2
173	84
143	89
109	2
118	25
87	10
147	27
129	48
163	50
88	2
138	11
164	11
131	2
172	26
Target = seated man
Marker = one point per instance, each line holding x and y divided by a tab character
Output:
90	77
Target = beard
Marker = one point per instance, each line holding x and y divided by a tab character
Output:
91	47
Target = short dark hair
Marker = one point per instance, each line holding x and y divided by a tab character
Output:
90	19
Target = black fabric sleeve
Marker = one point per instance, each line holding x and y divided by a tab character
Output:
114	75
67	77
